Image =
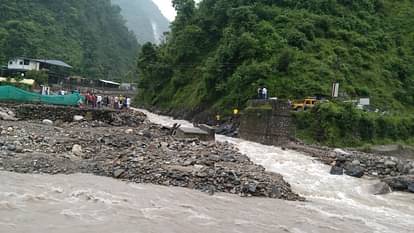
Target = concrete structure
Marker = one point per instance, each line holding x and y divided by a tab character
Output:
206	133
267	121
56	70
26	64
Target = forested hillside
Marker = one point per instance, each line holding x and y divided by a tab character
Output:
144	19
220	52
89	35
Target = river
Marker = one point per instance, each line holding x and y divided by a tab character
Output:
86	203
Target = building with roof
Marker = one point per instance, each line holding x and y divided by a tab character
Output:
57	70
26	64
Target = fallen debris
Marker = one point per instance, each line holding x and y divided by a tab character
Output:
7	115
144	153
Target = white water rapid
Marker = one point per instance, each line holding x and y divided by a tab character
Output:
90	204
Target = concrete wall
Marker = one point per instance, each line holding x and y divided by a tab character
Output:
267	121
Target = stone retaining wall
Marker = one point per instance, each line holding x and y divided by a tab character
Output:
267	122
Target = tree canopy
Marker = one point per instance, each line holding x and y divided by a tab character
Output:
89	35
220	51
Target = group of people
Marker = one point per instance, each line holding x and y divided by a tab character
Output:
116	102
262	93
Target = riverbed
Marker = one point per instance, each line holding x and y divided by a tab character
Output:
86	203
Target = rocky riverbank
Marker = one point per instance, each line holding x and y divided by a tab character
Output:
397	173
144	153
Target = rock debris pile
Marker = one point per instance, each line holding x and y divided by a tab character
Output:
397	173
145	153
7	114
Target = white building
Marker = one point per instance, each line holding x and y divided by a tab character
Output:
26	64
23	64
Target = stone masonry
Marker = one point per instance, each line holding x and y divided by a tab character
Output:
267	122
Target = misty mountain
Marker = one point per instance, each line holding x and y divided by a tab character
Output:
144	19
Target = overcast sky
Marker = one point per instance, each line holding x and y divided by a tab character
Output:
166	8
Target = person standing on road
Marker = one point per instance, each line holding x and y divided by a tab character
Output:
264	93
260	93
99	101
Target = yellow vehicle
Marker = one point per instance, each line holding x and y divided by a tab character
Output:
305	104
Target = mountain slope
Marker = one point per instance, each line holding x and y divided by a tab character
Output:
89	35
144	19
220	52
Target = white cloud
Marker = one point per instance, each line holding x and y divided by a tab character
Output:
166	8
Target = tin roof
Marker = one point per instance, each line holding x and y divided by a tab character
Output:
50	62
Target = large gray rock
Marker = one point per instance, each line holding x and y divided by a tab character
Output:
411	187
335	170
400	183
354	171
390	163
380	188
356	162
11	147
47	122
77	150
341	152
78	118
118	173
6	117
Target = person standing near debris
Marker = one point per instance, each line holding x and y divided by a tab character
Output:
99	101
87	98
94	101
107	101
128	102
264	92
116	102
260	93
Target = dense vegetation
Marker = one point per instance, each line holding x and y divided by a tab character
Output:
220	51
339	124
144	19
89	35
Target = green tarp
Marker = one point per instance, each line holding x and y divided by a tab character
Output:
10	93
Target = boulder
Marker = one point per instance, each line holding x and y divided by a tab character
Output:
400	183
77	150
341	152
390	163
129	131
380	188
411	187
354	171
6	117
11	147
356	162
335	170
47	122
118	173
78	118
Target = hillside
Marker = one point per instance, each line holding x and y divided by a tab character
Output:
89	35
144	19
220	52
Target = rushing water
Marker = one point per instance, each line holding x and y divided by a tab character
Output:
85	203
